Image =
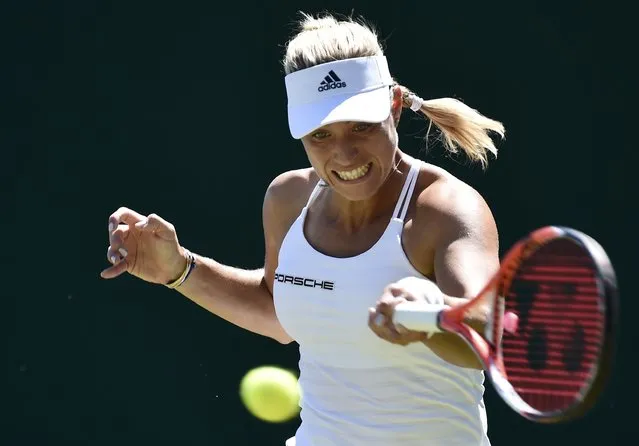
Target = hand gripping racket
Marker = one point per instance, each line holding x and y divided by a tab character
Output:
548	342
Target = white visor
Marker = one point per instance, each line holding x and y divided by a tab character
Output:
344	90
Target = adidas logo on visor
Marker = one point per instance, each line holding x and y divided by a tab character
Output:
330	82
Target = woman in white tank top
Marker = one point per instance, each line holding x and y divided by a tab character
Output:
365	228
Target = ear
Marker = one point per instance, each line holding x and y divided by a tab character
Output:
397	104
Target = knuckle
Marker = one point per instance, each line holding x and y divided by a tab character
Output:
386	301
119	231
391	287
117	215
407	296
396	289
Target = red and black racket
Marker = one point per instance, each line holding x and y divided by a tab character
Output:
549	341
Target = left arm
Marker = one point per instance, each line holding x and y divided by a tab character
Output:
465	258
455	242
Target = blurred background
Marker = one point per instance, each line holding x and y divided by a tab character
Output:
179	108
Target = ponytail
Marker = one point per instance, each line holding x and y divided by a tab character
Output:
461	127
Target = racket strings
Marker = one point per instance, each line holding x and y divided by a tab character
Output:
552	356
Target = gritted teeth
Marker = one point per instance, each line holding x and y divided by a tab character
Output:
354	174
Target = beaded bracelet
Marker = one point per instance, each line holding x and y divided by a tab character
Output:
190	266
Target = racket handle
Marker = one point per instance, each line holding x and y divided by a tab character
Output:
418	316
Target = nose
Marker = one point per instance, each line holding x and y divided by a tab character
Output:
345	153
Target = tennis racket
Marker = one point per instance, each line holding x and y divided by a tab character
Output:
548	343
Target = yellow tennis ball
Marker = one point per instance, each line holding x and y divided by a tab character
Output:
270	393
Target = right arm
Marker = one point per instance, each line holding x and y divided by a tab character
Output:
242	297
239	296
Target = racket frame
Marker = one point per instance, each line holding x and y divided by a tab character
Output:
487	346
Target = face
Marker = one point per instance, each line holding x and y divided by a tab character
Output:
355	158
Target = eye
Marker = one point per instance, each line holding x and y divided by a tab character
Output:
362	126
320	134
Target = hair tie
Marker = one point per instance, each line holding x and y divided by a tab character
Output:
415	102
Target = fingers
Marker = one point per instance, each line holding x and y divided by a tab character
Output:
118	237
122	223
157	225
114	271
382	315
394	290
380	321
382	325
415	288
124	215
116	252
153	223
116	256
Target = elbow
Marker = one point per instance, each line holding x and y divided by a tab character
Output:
278	333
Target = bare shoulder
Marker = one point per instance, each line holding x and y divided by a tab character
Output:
450	208
291	188
292	183
286	195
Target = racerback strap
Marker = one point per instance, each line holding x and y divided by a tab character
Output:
407	191
316	190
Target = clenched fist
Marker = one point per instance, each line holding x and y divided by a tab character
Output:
144	246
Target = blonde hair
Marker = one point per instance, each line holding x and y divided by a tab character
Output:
325	38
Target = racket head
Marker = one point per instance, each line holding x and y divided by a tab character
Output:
554	360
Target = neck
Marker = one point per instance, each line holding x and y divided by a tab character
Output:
353	215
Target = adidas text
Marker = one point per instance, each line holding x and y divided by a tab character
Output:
331	86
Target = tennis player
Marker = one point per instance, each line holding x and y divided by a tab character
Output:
366	227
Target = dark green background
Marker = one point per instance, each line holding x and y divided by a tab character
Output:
178	108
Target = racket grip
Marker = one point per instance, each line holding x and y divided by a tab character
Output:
418	316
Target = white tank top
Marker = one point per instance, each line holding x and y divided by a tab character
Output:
358	390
